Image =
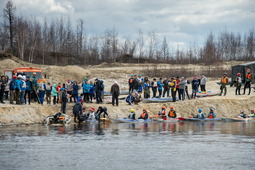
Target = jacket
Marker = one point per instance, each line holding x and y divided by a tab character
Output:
28	85
86	88
18	85
115	90
182	84
195	84
92	89
160	85
203	81
13	84
54	91
75	89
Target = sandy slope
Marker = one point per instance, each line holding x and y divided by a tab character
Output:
226	106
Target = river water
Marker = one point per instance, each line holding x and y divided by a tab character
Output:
181	145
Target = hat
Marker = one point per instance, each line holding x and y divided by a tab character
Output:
20	76
248	70
163	107
14	77
195	77
34	72
171	107
132	110
23	77
92	109
115	82
200	110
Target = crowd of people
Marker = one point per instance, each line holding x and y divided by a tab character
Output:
22	89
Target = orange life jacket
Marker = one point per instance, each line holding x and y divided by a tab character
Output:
224	80
131	80
171	113
248	76
143	115
61	118
210	116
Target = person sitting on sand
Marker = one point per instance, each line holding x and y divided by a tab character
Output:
144	115
132	114
211	114
200	114
162	113
172	112
242	115
130	98
252	114
138	97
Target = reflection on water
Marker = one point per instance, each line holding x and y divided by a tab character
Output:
179	145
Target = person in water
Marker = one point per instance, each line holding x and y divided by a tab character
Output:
144	115
91	114
242	115
252	114
77	111
211	114
132	114
162	113
172	113
200	114
100	110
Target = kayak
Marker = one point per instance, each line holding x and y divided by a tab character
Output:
208	93
237	119
159	100
121	93
103	120
205	119
130	120
168	120
57	119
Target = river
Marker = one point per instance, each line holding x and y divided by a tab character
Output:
181	145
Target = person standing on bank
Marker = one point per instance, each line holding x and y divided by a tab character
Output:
115	92
203	83
224	82
248	79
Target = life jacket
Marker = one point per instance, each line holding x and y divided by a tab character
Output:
162	112
172	113
224	80
210	116
200	115
248	76
143	115
131	80
61	118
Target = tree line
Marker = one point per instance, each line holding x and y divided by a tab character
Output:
60	43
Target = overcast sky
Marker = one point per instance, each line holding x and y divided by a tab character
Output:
183	22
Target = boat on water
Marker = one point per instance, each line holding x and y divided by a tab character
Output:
57	119
130	120
239	119
205	119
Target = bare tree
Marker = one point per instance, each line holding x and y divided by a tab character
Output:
9	14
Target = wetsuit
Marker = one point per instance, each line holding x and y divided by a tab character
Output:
101	110
77	111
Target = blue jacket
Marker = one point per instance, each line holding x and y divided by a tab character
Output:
92	90
18	85
86	88
75	89
160	85
28	85
130	99
13	84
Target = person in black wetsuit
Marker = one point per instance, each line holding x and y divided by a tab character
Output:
77	111
100	110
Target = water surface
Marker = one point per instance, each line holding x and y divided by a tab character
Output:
181	145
